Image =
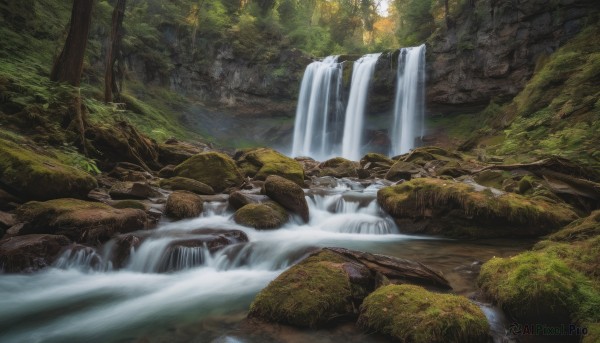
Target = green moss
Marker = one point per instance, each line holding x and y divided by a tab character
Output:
261	162
486	213
540	285
183	204
186	184
579	230
212	168
32	175
130	204
310	294
338	167
374	157
262	216
557	111
492	178
412	314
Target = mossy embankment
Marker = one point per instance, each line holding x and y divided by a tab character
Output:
557	282
555	114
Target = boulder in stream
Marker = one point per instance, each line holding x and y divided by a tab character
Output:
261	162
186	184
409	313
81	221
184	204
30	252
330	285
266	216
287	194
338	167
212	168
458	209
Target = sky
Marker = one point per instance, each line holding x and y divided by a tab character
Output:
383	7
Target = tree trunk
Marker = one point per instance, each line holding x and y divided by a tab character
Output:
68	67
114	47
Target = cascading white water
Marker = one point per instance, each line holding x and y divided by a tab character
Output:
317	124
409	107
357	103
85	299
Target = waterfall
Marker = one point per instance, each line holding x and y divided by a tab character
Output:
357	102
317	115
409	106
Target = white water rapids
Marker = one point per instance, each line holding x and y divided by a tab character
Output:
84	299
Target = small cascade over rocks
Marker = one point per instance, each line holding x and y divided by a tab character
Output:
325	129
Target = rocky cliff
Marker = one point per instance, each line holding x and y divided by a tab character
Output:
492	48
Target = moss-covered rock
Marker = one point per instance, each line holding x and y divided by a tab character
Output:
321	288
130	204
81	221
261	162
458	209
375	158
579	230
412	314
173	151
30	252
184	204
403	171
179	183
540	286
422	155
33	176
265	216
212	168
132	190
240	199
338	167
287	194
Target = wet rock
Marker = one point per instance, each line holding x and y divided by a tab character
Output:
373	158
397	270
239	199
122	247
320	289
183	204
8	201
173	151
338	167
167	172
185	184
130	204
267	216
310	166
133	190
214	169
287	194
330	285
22	171
262	162
31	252
81	221
125	171
410	313
6	220
404	171
452	208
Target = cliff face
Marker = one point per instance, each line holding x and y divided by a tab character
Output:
492	48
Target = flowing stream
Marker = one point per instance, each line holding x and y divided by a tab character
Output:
204	296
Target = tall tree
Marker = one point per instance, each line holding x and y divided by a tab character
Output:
69	64
114	47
